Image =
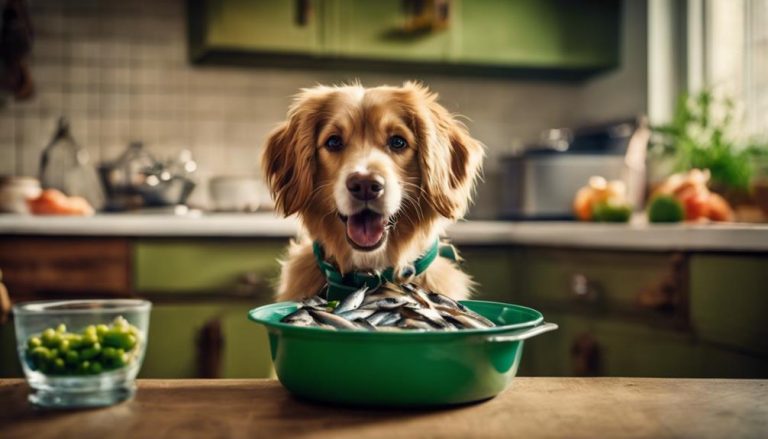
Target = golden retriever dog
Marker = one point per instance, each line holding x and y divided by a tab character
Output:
374	175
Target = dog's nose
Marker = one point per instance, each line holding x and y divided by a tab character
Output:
365	187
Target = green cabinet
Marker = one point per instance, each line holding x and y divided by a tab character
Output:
265	26
729	300
180	344
372	30
656	314
226	267
481	35
538	34
588	345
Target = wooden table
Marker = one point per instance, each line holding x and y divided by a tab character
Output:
532	407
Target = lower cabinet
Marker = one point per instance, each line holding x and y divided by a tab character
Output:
652	314
588	346
206	339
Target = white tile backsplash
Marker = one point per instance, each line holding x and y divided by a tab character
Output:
119	71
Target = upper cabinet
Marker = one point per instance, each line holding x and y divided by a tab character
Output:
376	30
565	34
567	37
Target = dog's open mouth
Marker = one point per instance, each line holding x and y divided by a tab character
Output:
366	229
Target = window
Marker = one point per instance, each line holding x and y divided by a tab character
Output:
735	58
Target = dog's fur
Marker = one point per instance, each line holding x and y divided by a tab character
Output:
428	184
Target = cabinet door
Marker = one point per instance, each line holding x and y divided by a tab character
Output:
603	347
536	33
638	285
265	26
494	271
177	348
215	266
729	301
373	30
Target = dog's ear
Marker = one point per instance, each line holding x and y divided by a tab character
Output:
288	160
450	159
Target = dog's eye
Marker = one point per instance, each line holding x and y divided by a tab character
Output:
396	143
334	143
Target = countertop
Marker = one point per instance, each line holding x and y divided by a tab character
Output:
705	237
531	407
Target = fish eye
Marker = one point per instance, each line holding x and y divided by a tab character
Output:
334	143
397	143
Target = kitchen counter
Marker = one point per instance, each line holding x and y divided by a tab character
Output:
532	407
710	237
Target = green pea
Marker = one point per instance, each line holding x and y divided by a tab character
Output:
62	328
89	339
120	338
84	367
34	342
120	359
64	346
109	353
72	357
52	354
41	352
95	367
50	338
58	365
91	352
75	341
101	330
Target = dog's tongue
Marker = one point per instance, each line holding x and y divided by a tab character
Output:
365	228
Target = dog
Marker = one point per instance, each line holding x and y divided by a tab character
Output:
374	175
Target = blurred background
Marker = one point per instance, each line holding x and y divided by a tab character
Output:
152	115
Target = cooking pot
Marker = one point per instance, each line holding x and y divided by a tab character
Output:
400	368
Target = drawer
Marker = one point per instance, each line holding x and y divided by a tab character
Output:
207	266
729	300
653	286
584	346
83	266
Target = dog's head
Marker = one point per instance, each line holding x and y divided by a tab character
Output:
354	162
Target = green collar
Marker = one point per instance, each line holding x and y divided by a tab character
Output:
340	286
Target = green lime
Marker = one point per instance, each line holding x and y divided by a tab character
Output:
665	209
611	213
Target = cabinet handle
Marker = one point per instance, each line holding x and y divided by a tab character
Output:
586	356
583	289
251	283
668	294
5	302
210	346
303	12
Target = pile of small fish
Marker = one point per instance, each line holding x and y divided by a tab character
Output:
389	307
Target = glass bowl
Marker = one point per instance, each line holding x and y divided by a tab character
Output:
81	353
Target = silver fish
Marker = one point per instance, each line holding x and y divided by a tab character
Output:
351	302
387	303
364	324
299	317
315	301
332	320
428	315
414	324
356	314
466	321
378	317
439	299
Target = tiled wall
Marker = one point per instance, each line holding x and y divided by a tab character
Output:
118	70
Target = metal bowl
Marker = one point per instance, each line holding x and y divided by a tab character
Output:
402	368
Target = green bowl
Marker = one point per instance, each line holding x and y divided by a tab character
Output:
403	368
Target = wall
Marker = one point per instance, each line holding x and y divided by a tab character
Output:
118	70
624	91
